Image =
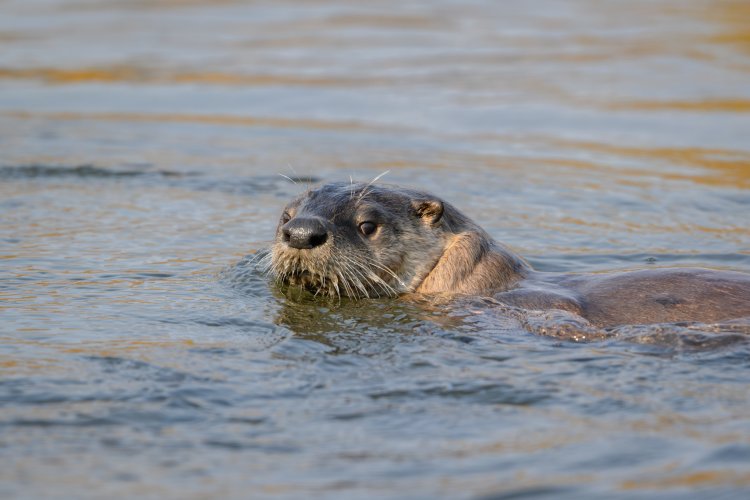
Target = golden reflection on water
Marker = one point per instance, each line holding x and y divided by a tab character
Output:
143	76
211	119
708	106
724	167
697	479
735	17
59	361
729	168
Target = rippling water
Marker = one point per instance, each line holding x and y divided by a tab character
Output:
140	146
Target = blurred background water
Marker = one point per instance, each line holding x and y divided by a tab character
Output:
140	147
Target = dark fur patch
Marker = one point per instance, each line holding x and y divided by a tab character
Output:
668	300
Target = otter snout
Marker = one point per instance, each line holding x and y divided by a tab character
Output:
304	232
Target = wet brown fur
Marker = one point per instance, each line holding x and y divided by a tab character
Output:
424	245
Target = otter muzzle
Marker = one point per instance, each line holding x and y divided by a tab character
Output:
304	232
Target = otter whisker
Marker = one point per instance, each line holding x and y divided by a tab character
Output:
387	271
368	276
341	281
280	269
374	278
265	263
358	283
388	290
336	287
258	257
355	282
360	277
378	287
344	282
275	270
288	178
356	269
309	181
364	191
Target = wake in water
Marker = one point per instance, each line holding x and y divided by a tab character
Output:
250	277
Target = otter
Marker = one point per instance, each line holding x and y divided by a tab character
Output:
365	240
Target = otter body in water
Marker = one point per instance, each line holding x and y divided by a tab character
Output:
362	240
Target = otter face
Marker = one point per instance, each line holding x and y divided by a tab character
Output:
358	240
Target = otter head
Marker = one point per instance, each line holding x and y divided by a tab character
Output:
359	240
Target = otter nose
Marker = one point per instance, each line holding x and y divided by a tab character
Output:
304	232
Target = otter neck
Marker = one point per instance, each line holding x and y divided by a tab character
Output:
472	263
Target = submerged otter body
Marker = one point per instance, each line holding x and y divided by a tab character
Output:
362	240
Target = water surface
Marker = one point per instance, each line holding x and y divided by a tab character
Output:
140	147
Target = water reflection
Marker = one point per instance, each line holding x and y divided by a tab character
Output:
141	146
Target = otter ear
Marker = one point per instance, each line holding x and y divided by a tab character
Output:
429	210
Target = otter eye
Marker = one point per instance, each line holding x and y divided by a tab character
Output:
367	228
285	217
